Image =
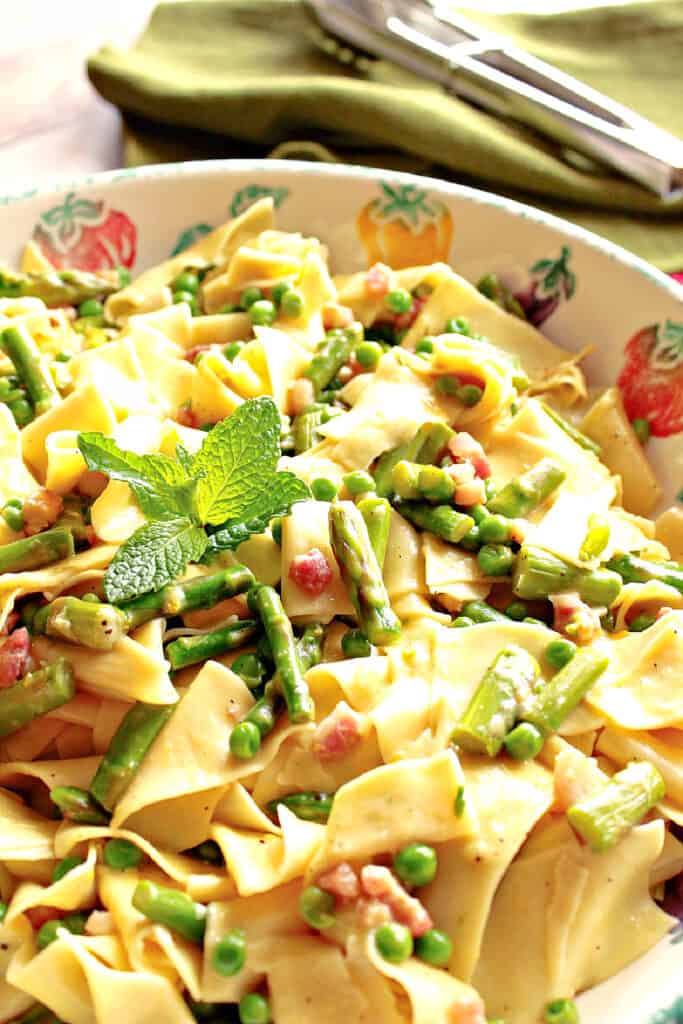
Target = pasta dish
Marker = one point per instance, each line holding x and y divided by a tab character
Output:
337	682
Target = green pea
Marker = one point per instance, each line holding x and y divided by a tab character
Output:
448	385
472	539
434	947
559	653
5	388
14	517
232	349
316	906
64	867
186	282
63	357
425	346
642	429
276	530
47	933
416	864
323	489
641	622
279	290
3	911
494	529
249	296
532	621
125	276
202	1011
394	942
359	482
495	560
469	394
245	740
254	1009
369	354
90	598
230	953
262	313
457	325
121	854
399	300
250	669
22	411
91	307
209	851
292	304
517	610
356	645
189	298
524	742
561	1011
75	923
461	622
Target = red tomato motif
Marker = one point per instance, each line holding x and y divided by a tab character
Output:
83	233
651	380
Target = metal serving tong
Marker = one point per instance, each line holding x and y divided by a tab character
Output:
486	70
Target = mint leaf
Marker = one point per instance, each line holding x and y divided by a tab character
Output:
160	484
184	457
238	460
155	555
284	490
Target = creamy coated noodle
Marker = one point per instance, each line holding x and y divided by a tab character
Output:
339	668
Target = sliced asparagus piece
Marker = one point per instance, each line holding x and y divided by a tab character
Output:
377	515
78	805
480	611
188	650
34	552
572	431
362	575
305	428
308	806
602	818
334	352
491	712
634	569
521	496
442	520
35	694
25	355
173	908
596	539
59	287
555	700
266	602
188	596
412	481
425	447
127	750
92	624
538	574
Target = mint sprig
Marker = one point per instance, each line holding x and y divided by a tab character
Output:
232	486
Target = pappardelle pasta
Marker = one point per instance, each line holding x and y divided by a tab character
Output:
337	684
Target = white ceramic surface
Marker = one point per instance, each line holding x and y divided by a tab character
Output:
578	288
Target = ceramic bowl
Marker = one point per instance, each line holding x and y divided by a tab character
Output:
578	289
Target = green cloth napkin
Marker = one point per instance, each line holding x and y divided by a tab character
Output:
236	78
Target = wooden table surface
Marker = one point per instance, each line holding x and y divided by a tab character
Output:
53	125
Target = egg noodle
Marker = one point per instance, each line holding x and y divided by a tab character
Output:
389	731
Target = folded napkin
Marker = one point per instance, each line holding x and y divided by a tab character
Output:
236	78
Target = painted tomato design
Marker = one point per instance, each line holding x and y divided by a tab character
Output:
405	227
651	380
84	233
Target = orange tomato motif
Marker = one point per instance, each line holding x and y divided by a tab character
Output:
405	227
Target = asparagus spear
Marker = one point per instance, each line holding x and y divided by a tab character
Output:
412	481
425	447
305	428
362	575
131	742
596	539
25	355
571	431
555	700
442	520
602	818
308	806
334	352
35	694
78	805
59	287
521	496
310	646
538	574
634	569
377	515
266	602
493	708
480	611
173	908
188	650
188	596
34	552
90	623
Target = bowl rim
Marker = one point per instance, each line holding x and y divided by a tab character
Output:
196	168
